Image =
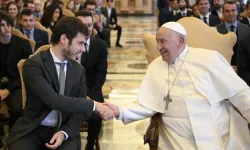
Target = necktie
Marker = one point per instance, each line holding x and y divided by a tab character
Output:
86	47
28	34
232	28
61	91
205	20
85	55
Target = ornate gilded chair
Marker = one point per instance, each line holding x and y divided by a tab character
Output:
199	35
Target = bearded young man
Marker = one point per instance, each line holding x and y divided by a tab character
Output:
188	86
55	86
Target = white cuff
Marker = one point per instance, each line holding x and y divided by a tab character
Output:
120	117
66	135
94	106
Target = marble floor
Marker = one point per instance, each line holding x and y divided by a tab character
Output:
126	70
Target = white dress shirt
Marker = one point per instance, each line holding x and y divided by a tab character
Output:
52	118
207	17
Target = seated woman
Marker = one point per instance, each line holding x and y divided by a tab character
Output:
13	11
71	6
46	4
51	15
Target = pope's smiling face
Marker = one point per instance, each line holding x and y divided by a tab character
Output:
169	44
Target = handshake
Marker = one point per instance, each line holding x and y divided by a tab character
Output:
106	110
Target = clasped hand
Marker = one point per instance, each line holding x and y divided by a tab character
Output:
107	110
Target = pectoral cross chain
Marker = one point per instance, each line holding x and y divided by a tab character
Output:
167	99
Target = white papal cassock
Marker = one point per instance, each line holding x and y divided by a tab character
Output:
198	116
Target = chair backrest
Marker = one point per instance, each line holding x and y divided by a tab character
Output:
67	12
20	34
199	35
20	69
38	25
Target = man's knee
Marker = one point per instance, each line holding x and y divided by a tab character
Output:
14	101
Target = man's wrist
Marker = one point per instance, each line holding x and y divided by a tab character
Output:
65	135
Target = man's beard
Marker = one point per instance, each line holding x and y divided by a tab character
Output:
182	8
68	54
217	7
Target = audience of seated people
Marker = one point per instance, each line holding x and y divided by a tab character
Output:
12	50
230	13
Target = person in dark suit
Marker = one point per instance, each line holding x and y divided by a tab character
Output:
172	15
12	50
243	59
246	20
27	20
55	87
110	13
203	8
217	9
100	25
94	60
184	12
231	24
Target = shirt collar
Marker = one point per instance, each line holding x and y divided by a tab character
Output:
88	41
56	60
184	11
182	55
207	15
25	31
228	25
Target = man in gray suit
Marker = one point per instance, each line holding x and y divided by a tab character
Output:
231	24
55	86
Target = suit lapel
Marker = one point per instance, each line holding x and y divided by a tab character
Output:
224	29
35	34
69	78
51	68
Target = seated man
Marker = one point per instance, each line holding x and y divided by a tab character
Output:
204	14
99	24
27	21
55	86
38	9
94	60
110	13
30	5
12	50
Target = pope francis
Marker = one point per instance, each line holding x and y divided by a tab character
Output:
189	87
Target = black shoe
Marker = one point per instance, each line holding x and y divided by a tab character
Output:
118	45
